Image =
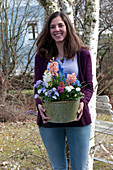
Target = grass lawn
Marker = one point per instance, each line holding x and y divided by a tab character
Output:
21	148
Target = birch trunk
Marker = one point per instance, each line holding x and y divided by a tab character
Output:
58	5
67	8
91	23
49	6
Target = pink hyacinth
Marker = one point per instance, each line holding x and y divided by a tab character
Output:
71	78
53	68
61	87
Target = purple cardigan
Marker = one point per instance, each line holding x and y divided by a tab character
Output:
85	77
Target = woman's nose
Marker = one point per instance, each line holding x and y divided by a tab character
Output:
57	28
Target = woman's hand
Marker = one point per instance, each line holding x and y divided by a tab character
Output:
80	111
42	110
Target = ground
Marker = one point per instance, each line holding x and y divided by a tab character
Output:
20	144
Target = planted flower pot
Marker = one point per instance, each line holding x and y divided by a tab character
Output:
61	111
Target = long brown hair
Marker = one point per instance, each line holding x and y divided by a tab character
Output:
46	46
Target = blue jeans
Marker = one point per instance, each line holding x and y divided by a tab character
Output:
78	142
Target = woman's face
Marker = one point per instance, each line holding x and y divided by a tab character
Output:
58	29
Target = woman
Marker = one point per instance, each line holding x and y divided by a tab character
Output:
59	40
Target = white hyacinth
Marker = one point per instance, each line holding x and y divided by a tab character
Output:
47	78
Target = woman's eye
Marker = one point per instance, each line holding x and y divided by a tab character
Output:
61	25
52	27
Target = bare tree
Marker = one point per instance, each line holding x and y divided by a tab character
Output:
20	23
105	49
17	51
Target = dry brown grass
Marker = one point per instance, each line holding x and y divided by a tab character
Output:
21	147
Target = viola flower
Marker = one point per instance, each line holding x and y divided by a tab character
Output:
53	89
69	88
78	89
38	83
39	91
48	93
56	93
36	96
54	97
71	78
44	90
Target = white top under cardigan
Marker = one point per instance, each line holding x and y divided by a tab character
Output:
70	66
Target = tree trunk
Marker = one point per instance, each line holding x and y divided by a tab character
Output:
67	8
91	22
49	6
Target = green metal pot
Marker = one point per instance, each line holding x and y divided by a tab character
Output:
61	111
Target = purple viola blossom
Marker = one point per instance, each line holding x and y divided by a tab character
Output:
54	97
43	84
36	96
48	93
56	93
34	86
43	90
39	82
39	91
53	89
31	112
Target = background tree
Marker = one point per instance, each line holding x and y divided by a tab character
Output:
18	42
14	26
105	49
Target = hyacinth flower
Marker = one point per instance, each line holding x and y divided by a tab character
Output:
71	78
53	68
61	87
77	83
61	90
47	78
61	70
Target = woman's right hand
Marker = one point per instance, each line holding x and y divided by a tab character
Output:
42	110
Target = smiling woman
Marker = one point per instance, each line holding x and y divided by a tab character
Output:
58	40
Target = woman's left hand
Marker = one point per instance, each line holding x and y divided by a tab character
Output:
80	111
